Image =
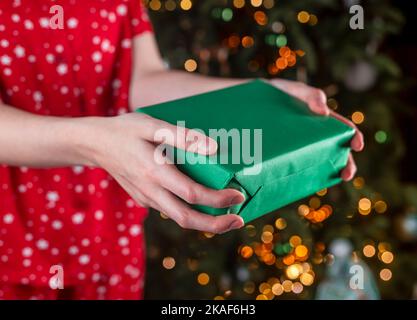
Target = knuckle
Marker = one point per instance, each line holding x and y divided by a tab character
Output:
217	227
183	221
320	93
190	195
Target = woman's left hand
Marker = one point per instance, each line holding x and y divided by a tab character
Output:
317	102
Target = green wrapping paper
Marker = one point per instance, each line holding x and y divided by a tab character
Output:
301	153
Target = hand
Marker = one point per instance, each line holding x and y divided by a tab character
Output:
317	102
125	147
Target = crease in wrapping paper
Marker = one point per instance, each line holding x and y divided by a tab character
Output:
302	153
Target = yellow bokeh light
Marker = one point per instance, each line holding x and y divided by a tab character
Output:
267	237
369	251
190	65
358	117
186	5
364	206
297	288
163	216
249	287
387	257
218	298
303	16
261	297
277	289
288	260
322	193
256	3
307	279
246	252
294	271
301	251
380	206
287	285
168	263
170	5
313	20
155	5
303	210
203	279
280	223
269	4
295	241
385	274
314	202
268	228
263	287
358	182
251	230
238	3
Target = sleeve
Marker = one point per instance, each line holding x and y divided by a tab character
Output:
139	18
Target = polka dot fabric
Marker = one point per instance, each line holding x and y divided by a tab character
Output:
77	217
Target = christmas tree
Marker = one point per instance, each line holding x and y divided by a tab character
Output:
371	220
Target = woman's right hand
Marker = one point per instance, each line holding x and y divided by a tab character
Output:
125	147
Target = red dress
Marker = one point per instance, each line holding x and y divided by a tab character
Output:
78	218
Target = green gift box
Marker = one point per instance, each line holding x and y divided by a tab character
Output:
271	146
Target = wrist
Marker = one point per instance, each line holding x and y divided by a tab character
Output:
87	139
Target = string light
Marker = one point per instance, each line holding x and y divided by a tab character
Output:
155	5
369	251
381	136
387	257
297	287
190	65
380	206
280	223
227	14
238	3
256	3
268	4
358	183
168	263
277	289
385	274
249	287
203	279
358	117
303	16
364	206
170	5
247	41
322	193
307	279
295	241
246	252
260	18
186	5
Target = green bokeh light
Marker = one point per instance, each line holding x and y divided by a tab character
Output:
381	136
227	14
281	40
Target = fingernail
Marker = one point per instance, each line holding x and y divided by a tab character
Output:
237	199
236	224
207	146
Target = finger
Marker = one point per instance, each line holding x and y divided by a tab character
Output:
162	132
191	219
350	170
317	101
357	144
194	193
